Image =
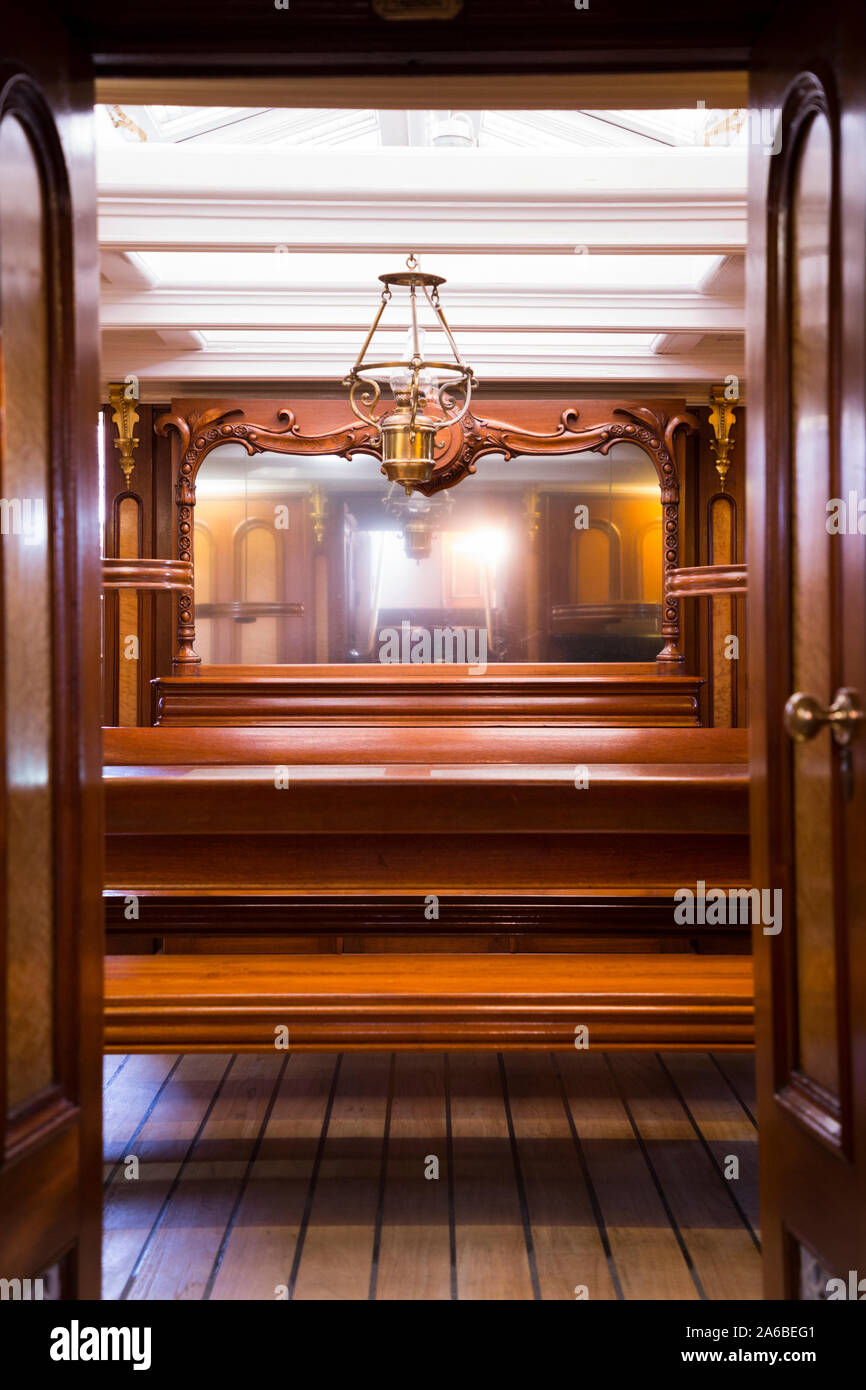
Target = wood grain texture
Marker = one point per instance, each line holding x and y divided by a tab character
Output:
398	922
51	937
493	1259
204	865
421	694
332	1193
724	1255
462	1002
339	1240
144	1077
568	1245
133	1206
181	1250
650	1260
414	1255
428	744
639	826
806	368
484	799
260	1245
699	581
716	1111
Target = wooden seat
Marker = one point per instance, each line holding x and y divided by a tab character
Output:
421	1003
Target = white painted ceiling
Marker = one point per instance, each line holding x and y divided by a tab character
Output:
591	251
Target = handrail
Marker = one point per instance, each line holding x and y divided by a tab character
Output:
701	581
146	574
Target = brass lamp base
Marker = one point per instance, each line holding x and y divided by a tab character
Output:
408	449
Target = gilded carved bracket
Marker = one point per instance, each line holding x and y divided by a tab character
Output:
652	427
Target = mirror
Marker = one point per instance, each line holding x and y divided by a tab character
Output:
534	559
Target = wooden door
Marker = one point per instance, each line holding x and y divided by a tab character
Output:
50	797
807	616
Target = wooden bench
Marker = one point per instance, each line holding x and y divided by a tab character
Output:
200	811
423	1003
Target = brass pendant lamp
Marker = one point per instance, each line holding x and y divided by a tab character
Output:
423	403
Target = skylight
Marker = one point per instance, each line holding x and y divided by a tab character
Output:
527	344
551	131
212	269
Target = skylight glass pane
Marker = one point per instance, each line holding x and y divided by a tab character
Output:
529	344
463	272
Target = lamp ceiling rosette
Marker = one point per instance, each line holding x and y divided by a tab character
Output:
428	396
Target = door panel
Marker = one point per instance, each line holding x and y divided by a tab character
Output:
805	292
27	665
50	798
812	603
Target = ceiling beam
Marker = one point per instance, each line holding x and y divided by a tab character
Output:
350	310
420	174
612	90
320	365
721	232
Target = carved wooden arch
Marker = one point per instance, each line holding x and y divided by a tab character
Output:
656	427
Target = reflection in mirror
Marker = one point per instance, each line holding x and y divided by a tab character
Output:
551	559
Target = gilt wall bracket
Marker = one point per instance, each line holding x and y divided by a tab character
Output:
657	427
124	408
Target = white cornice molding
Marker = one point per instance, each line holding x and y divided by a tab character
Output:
681	229
421	174
210	364
481	311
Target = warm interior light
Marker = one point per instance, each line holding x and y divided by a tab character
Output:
490	546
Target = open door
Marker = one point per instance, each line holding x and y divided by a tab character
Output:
50	796
807	614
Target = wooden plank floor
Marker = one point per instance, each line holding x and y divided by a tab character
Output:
431	1176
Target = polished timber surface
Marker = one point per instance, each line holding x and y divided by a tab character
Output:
618	695
374	1002
306	1176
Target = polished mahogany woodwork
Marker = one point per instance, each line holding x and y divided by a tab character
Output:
807	369
324	426
421	743
145	574
466	827
627	695
51	936
350	923
419	1003
701	581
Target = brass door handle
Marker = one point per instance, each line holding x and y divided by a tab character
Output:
805	716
